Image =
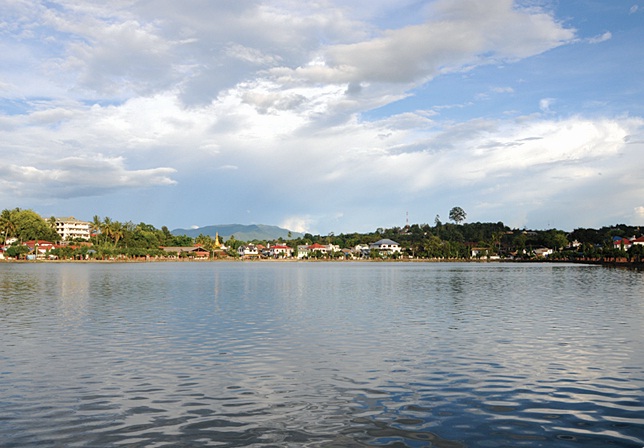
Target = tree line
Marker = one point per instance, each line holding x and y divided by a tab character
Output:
108	237
449	240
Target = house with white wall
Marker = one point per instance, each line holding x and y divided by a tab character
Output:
385	247
639	241
304	251
70	228
248	251
622	243
280	251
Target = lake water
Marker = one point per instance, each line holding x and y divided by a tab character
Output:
321	355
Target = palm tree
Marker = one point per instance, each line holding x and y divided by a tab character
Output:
51	222
113	230
95	226
106	228
7	224
117	232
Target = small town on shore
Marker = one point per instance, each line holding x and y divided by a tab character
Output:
27	236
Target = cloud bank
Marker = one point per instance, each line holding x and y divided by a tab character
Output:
264	106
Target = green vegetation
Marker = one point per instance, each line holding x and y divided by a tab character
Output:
117	240
25	225
110	239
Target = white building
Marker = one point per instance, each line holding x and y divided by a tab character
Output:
385	246
361	250
249	250
639	240
323	249
280	251
70	228
543	252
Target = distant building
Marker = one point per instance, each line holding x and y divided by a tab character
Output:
280	251
478	252
639	240
324	250
71	228
38	248
248	251
385	246
543	252
622	243
361	250
196	251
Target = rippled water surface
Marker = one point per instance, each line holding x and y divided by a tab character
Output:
321	355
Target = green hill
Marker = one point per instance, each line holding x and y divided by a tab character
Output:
240	231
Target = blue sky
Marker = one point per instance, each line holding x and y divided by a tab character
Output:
324	116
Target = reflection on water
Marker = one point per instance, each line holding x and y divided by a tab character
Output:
74	294
321	354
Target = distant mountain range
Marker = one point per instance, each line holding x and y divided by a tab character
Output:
240	231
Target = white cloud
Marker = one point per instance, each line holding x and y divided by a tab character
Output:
601	38
545	104
639	213
264	104
251	55
300	224
503	90
460	34
116	51
79	176
123	58
343	167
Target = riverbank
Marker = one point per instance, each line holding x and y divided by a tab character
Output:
615	264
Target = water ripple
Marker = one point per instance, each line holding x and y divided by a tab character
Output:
321	355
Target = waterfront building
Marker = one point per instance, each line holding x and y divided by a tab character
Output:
70	228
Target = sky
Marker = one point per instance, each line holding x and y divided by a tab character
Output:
324	116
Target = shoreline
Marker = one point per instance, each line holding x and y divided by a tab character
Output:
614	264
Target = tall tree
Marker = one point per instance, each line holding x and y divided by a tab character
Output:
118	230
205	241
95	226
107	227
457	214
7	224
166	236
31	226
495	241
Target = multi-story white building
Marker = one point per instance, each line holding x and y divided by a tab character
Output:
70	228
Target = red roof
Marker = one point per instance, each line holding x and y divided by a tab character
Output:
41	243
638	240
317	246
